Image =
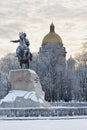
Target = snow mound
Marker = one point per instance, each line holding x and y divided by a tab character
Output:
11	97
21	98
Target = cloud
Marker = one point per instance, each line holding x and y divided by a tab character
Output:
34	17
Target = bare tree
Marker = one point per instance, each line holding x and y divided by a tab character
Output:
6	64
81	60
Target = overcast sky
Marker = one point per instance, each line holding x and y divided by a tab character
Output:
35	16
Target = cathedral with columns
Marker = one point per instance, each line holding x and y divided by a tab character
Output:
52	67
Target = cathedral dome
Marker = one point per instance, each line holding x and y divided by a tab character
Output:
52	36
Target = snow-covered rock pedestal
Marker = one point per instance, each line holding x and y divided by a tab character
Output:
25	91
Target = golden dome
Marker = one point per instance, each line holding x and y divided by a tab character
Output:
52	36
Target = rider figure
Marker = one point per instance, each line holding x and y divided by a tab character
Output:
23	43
22	39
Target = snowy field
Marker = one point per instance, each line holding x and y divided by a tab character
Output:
72	124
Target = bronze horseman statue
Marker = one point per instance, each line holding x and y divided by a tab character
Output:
23	52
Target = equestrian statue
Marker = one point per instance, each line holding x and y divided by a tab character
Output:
23	52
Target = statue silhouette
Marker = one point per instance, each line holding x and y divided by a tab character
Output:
23	52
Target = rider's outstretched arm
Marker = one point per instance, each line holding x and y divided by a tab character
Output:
15	41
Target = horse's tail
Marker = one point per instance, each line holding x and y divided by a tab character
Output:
30	56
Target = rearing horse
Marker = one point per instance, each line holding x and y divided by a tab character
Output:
24	56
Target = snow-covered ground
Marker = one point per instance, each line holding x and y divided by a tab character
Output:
72	124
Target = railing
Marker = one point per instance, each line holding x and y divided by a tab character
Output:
43	112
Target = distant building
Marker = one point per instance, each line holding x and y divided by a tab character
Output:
72	80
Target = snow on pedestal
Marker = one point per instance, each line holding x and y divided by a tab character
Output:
25	91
